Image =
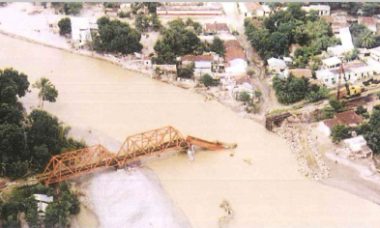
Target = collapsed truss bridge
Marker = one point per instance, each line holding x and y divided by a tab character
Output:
79	162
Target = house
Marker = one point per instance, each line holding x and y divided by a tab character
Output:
323	10
353	72
331	62
337	21
216	28
347	118
42	202
369	22
358	148
346	43
202	63
276	65
301	72
234	58
254	9
81	29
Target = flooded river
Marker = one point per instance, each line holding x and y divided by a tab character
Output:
105	103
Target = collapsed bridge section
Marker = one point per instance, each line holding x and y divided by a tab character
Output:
79	162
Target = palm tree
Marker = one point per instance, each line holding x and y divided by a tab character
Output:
367	40
48	92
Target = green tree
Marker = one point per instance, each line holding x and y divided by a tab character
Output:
142	22
186	71
291	89
64	26
72	8
338	106
244	97
316	95
367	40
48	92
217	46
116	37
12	85
12	149
177	40
340	132
207	80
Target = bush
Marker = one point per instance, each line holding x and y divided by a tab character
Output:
340	132
185	72
318	95
338	106
122	14
207	80
244	97
291	89
72	8
64	26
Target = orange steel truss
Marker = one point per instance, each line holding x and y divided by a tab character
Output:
75	163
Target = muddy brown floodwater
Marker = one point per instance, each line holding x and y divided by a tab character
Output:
260	181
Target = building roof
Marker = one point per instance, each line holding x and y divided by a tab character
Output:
233	50
356	143
301	72
43	198
196	58
216	27
276	63
252	6
333	61
348	118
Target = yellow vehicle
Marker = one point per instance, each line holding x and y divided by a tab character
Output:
349	91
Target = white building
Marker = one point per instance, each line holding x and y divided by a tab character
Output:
81	30
234	57
346	43
254	9
202	63
42	202
353	72
331	62
358	147
276	65
323	10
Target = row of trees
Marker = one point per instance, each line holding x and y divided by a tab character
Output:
357	8
292	89
21	200
28	141
291	26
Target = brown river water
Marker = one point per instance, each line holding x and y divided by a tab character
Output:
260	181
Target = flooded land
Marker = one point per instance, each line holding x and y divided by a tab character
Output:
259	179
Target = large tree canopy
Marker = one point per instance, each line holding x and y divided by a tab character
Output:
116	37
12	85
177	40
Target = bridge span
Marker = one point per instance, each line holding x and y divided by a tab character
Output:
76	163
